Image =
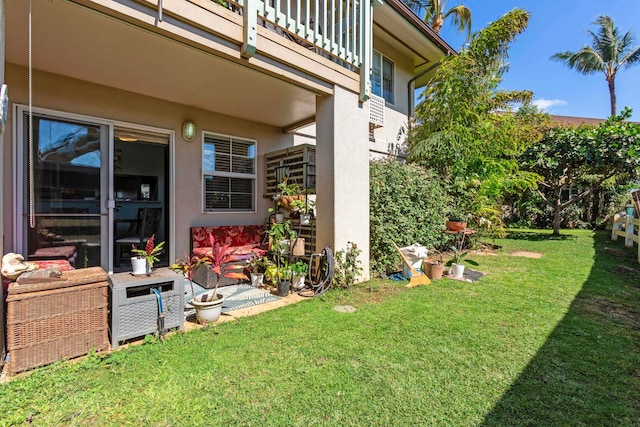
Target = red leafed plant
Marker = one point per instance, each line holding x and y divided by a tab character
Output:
149	252
188	266
221	258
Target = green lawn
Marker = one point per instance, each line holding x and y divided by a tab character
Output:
552	341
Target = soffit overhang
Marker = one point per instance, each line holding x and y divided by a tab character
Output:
398	26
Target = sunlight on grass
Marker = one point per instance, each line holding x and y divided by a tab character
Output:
547	341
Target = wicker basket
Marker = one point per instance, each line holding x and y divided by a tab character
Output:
56	320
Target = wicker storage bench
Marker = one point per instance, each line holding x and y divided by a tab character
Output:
54	320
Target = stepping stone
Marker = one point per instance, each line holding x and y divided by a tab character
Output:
344	309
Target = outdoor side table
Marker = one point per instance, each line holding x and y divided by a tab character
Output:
135	306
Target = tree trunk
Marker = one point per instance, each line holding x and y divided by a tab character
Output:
557	208
436	24
612	94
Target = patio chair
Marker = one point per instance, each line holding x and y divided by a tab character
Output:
148	225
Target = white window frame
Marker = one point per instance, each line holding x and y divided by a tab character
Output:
381	68
253	177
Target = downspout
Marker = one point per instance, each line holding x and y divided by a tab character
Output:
410	97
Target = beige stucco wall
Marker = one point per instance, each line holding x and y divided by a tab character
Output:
389	139
343	187
73	96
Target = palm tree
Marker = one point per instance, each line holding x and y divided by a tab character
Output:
608	53
435	14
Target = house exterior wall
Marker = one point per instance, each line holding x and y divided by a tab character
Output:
389	139
73	96
158	73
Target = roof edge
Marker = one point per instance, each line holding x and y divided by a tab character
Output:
422	26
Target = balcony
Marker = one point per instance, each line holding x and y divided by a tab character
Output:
198	53
338	30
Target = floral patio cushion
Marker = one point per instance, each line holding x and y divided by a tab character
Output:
232	235
243	252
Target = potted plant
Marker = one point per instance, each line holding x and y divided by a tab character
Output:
459	254
280	234
305	208
187	267
142	262
276	212
280	274
456	223
217	265
279	237
287	193
299	271
258	264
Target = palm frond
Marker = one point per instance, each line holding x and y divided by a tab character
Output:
461	18
585	61
631	58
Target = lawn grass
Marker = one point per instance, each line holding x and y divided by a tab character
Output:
552	341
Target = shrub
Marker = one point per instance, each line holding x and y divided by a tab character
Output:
347	267
408	204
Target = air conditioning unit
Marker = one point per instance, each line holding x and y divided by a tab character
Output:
376	111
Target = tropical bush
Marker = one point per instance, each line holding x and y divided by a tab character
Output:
408	204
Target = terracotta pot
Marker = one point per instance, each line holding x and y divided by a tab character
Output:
456	225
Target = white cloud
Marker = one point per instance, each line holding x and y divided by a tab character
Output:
545	104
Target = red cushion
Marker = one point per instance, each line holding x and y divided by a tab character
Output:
54	252
243	252
58	264
233	235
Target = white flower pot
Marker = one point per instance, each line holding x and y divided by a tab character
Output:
140	266
457	270
209	311
257	280
297	282
305	219
279	217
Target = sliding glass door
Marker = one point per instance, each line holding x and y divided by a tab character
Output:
81	184
65	184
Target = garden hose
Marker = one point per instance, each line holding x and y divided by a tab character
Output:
160	312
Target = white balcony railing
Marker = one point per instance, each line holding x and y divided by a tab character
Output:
338	29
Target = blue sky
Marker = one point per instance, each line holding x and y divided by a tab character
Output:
556	26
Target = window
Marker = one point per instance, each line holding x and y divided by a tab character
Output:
382	78
229	173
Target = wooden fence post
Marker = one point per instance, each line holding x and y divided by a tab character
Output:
628	232
617	225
